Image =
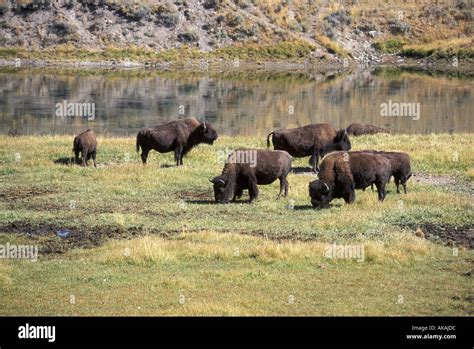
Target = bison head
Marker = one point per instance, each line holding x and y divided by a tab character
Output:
342	141
206	133
223	189
320	193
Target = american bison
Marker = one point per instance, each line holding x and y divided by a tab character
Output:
179	136
86	144
343	172
241	172
314	140
401	168
357	129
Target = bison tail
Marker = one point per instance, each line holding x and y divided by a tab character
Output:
138	143
268	139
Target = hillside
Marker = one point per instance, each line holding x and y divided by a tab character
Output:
358	30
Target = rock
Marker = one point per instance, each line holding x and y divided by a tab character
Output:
374	33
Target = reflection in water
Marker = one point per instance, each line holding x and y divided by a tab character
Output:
237	104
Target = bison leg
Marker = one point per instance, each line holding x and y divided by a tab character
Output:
237	194
404	182
178	155
283	185
349	197
397	183
84	158
76	156
380	190
94	154
144	155
313	161
253	190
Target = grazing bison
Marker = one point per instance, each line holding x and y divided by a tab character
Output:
401	168
86	144
179	136
312	140
247	168
343	172
358	129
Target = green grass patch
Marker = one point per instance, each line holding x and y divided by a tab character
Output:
288	50
390	45
143	237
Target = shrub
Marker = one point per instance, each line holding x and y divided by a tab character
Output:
389	46
188	37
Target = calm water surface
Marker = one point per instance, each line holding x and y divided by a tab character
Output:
236	103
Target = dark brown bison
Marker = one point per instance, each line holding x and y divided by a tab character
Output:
357	129
401	168
179	136
247	168
343	172
314	140
86	144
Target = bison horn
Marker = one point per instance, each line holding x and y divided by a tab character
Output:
327	187
204	124
211	180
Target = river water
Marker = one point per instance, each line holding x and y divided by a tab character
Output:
237	103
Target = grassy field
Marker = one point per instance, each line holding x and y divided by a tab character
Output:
150	241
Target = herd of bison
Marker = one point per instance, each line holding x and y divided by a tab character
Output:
339	174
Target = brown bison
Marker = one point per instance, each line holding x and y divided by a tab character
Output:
86	144
401	168
312	140
179	136
357	129
247	168
343	172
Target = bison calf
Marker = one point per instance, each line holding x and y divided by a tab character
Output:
357	129
401	168
247	168
179	136
312	140
86	144
343	172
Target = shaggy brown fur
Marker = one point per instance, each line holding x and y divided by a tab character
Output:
312	140
86	144
357	129
236	177
179	136
401	167
343	172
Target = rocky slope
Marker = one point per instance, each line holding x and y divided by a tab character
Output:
346	28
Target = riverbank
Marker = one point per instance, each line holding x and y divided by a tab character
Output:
125	239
